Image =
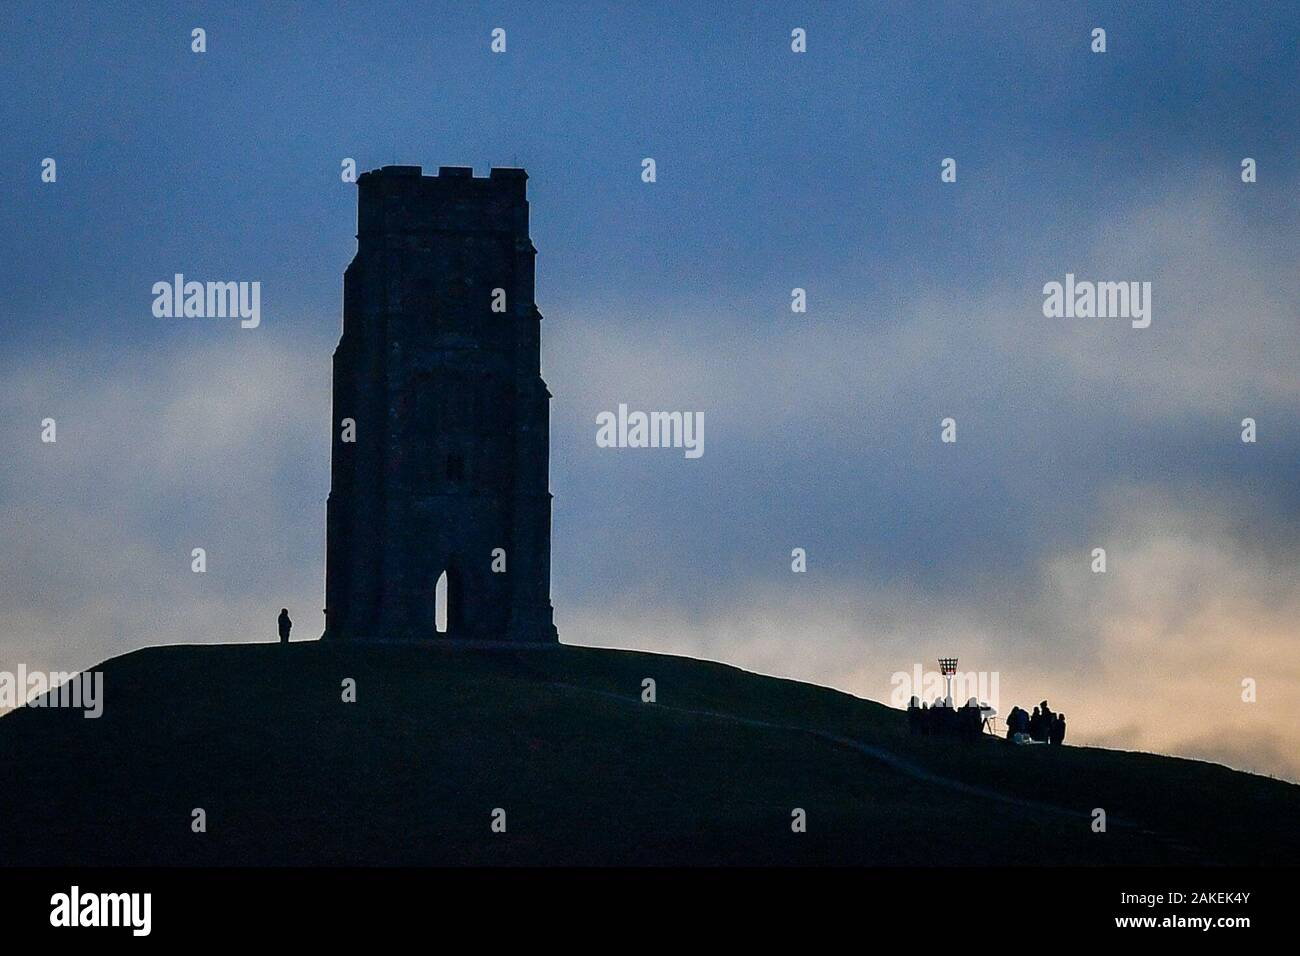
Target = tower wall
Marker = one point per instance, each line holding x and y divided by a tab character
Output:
450	459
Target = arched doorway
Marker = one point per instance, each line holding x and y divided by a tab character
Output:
440	595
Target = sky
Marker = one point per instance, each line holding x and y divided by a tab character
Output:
775	170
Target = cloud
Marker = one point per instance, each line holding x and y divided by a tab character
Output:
223	446
827	424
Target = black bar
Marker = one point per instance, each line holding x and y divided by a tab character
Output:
938	905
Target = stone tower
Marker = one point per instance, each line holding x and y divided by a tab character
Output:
439	372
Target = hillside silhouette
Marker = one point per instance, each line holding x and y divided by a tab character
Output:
258	736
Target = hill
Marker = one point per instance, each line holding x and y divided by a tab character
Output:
287	773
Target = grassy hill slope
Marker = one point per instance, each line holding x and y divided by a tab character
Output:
258	736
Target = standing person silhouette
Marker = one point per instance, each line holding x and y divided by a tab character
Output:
285	625
1058	730
1049	721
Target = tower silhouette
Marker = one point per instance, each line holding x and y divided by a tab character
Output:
441	417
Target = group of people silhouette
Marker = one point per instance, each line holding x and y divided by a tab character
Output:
1042	726
945	720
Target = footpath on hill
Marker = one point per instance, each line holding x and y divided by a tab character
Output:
880	754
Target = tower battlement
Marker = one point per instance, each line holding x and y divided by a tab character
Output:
398	200
444	173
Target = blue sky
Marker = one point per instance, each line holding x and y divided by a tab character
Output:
775	170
